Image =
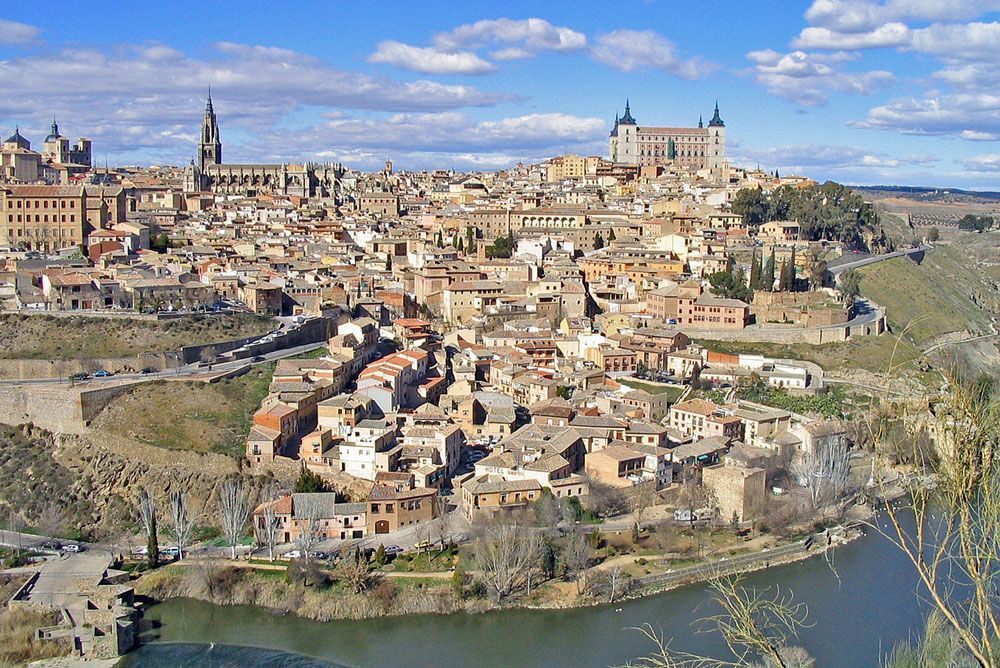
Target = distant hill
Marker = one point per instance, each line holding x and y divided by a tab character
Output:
937	195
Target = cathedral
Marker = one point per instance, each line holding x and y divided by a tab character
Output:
695	148
209	174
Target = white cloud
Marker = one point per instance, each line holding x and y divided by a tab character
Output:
810	78
856	16
989	162
976	135
146	101
13	33
531	35
438	139
890	34
967	41
629	50
429	60
966	115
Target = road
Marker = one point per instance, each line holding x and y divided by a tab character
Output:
864	260
186	370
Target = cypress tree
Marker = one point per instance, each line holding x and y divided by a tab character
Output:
460	246
767	276
755	271
440	240
152	545
598	241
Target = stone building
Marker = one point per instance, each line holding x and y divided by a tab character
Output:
209	173
695	148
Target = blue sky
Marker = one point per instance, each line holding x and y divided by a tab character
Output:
860	91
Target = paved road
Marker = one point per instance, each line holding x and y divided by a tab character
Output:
863	260
187	370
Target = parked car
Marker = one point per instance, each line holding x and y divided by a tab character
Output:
258	358
149	369
71	547
393	549
476	455
322	556
51	544
79	376
294	554
423	545
103	373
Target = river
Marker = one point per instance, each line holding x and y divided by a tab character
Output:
856	615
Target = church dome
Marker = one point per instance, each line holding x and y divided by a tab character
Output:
54	133
18	139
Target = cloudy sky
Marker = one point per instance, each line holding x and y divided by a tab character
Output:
860	91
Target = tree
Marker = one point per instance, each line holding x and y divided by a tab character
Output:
850	285
507	555
181	521
605	500
731	285
825	471
694	496
954	542
817	272
310	531
440	240
577	554
642	498
767	275
268	523
460	246
756	625
207	356
353	570
755	270
616	581
234	510
502	247
310	482
933	234
752	204
380	556
973	223
598	241
147	516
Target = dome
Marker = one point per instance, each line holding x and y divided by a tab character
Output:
54	133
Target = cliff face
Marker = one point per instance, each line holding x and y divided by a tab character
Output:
87	484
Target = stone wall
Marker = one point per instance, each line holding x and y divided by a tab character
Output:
56	408
29	369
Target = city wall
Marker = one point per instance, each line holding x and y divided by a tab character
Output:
57	408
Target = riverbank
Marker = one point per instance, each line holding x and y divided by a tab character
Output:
393	594
872	599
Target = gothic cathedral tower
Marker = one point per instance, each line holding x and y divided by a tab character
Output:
210	146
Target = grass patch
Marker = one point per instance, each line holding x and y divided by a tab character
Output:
932	298
80	337
312	354
207	417
673	393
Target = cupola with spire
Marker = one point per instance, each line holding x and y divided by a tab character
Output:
54	131
716	121
626	118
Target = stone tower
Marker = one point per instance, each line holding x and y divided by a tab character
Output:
716	140
210	145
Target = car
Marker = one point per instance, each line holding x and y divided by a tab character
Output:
149	369
476	455
294	554
71	547
322	556
393	549
51	544
170	552
79	376
103	373
258	358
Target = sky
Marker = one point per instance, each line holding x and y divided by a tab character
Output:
859	91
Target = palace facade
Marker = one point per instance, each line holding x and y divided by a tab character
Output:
695	148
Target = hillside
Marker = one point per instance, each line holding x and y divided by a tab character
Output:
948	296
75	337
177	415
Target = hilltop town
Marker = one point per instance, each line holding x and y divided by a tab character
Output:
647	361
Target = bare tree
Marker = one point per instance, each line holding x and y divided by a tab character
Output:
825	472
207	356
267	524
642	497
616	582
234	509
181	521
605	500
694	496
756	625
507	554
578	555
147	516
354	571
310	532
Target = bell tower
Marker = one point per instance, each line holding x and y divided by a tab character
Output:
210	145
